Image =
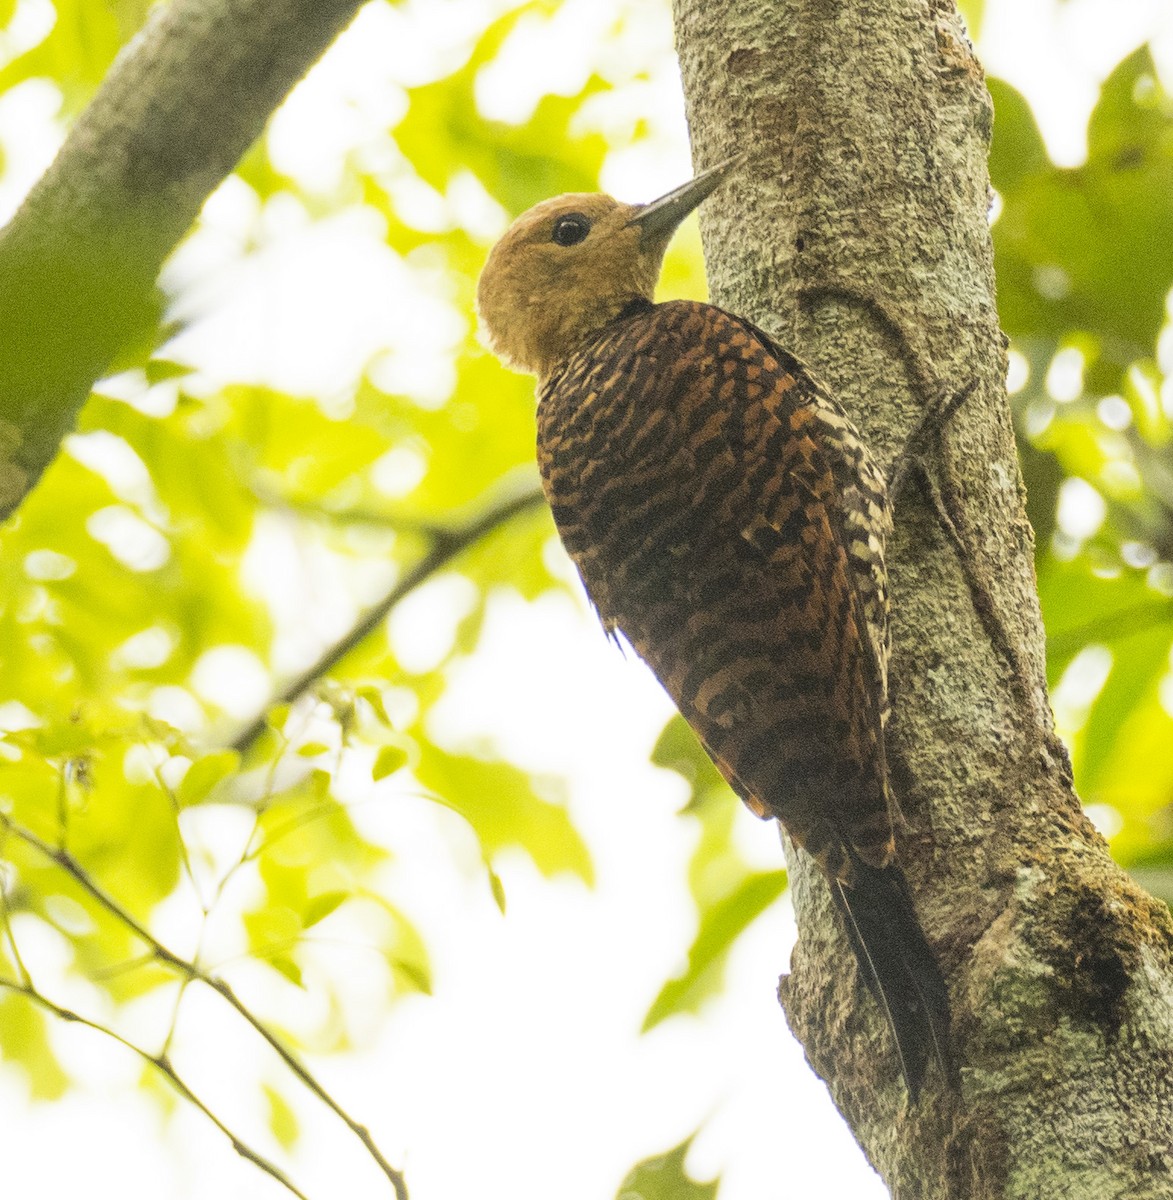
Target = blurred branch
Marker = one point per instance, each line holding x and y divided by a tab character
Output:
446	545
392	522
191	971
1125	622
162	1064
80	257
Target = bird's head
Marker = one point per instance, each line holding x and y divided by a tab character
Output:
572	264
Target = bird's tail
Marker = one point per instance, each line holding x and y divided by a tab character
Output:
900	968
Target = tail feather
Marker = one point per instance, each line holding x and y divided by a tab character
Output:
900	969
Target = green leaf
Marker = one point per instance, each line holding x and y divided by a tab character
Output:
1017	151
24	1042
283	1123
407	955
411	976
77	52
321	906
159	370
677	749
728	894
720	927
373	697
275	925
388	761
1140	797
276	717
205	774
1086	249
288	968
498	801
664	1178
1132	118
498	890
442	132
1139	663
1080	608
312	749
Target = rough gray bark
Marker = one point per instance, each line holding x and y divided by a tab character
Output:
860	239
78	261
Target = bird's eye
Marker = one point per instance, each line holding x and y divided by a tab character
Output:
571	229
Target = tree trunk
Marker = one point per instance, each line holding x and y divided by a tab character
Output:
860	239
79	259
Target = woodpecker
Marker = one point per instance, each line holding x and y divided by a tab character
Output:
728	520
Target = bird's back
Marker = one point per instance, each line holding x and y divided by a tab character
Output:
726	518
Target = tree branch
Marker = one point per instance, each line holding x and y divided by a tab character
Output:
79	259
447	544
193	972
163	1065
871	123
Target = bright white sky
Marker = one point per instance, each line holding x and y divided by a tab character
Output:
523	1077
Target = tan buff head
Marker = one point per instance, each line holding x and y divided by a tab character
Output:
570	265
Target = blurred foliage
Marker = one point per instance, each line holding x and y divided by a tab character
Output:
728	896
1084	260
128	612
139	614
973	11
77	51
664	1178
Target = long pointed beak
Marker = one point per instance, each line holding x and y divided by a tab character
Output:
657	220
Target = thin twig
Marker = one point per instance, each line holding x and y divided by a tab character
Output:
9	936
937	408
247	852
302	1072
978	585
932	420
162	1064
392	522
446	545
192	971
71	866
184	857
173	1025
